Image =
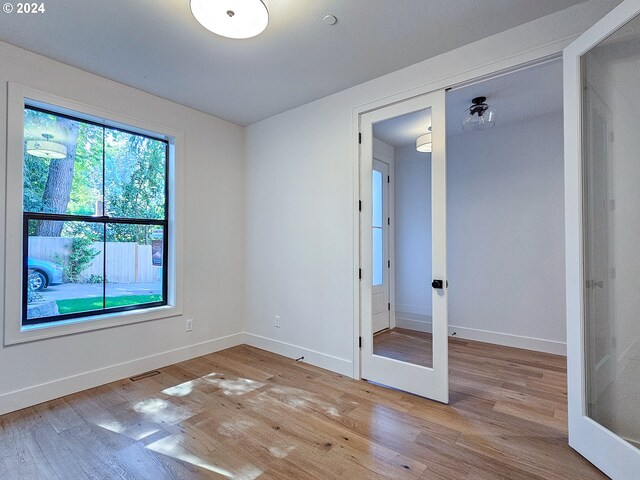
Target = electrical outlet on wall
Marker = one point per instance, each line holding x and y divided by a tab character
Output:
276	321
189	325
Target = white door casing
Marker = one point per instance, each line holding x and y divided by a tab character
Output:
424	381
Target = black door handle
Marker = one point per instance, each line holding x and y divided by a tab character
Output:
439	284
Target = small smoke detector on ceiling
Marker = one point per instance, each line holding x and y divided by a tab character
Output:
330	19
237	19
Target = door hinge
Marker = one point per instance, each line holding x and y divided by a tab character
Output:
388	179
388	220
360	342
360	273
389	306
359	205
388	263
359	137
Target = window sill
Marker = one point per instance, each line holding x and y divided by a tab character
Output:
31	333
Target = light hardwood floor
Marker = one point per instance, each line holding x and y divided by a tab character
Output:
404	345
244	413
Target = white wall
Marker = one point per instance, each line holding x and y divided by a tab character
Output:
302	258
412	217
506	234
213	245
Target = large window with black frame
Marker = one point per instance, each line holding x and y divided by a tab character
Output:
95	218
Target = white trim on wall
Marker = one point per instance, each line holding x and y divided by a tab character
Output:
27	397
422	323
322	360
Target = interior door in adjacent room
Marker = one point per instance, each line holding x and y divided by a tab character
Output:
380	222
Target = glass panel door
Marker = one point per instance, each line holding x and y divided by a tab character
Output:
602	74
413	361
380	246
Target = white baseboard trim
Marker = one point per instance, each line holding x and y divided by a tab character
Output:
413	324
510	340
44	392
322	360
403	308
498	338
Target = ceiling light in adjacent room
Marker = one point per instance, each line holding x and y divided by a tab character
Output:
46	148
231	18
479	116
423	142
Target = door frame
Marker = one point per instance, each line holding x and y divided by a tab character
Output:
610	453
375	98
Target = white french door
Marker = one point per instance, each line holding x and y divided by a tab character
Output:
424	370
602	198
380	238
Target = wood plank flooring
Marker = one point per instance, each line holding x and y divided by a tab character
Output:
405	345
244	413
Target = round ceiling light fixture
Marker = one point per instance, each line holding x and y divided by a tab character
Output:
231	18
46	148
423	143
479	116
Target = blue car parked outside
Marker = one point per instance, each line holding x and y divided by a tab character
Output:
43	273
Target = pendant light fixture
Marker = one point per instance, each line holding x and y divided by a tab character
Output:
479	116
46	148
231	18
423	142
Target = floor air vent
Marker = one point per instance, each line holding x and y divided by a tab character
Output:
144	375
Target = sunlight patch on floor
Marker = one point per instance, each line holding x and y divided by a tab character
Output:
170	447
181	390
302	399
281	452
150	406
233	386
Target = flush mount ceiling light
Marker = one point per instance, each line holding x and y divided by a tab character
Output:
231	18
46	148
479	116
423	142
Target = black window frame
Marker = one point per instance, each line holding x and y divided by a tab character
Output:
104	220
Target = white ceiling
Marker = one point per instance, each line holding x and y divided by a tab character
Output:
517	96
403	130
159	47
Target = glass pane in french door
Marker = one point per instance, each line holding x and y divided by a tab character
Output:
409	336
377	227
611	209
